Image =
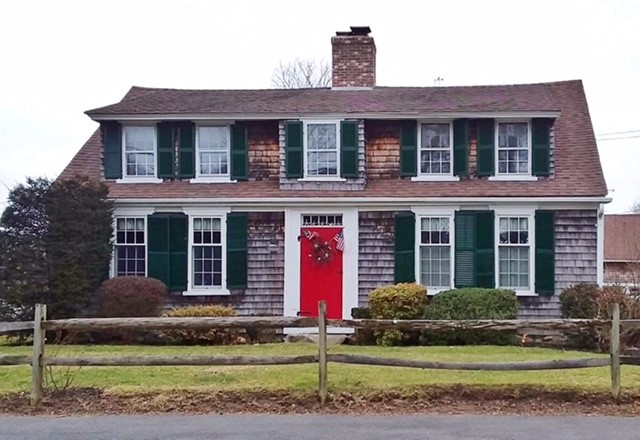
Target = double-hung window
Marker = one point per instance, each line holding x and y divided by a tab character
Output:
130	250
514	252
321	142
213	151
206	252
435	252
139	151
514	148
435	149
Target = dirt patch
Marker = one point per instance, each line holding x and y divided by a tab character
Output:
432	400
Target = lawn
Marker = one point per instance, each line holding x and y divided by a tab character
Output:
304	377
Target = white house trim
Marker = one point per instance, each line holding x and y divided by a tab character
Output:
600	246
293	223
297	115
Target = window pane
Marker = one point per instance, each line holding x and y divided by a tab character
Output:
435	266
213	138
321	137
513	148
139	138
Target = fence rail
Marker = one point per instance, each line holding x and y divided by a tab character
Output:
40	325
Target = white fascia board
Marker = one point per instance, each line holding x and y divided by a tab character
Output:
365	202
338	115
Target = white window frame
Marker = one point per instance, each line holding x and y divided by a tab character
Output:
193	290
211	178
145	244
502	212
448	212
512	176
305	152
126	178
420	176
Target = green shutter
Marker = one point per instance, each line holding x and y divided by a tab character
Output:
461	147
474	254
293	149
187	156
166	152
239	153
486	146
158	247
112	142
237	231
545	253
465	255
408	148
349	148
405	238
541	146
485	254
167	253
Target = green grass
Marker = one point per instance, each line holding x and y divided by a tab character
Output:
304	377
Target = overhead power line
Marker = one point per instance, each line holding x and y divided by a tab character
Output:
617	138
615	133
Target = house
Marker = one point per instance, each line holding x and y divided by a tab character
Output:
622	249
269	200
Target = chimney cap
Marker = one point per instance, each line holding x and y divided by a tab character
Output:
355	30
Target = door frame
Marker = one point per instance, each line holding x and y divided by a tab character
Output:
292	226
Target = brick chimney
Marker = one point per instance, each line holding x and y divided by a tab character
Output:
354	58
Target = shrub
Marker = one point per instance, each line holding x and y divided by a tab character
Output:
362	336
131	297
580	301
471	303
629	309
214	336
400	301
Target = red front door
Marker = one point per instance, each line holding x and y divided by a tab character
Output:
320	271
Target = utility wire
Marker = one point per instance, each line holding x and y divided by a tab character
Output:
617	138
618	132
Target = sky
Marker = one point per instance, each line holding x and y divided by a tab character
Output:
60	58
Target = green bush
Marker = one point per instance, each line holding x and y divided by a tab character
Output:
580	301
131	297
400	301
214	336
471	303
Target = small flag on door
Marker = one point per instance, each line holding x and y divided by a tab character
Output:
339	238
310	235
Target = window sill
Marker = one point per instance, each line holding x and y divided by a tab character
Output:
514	178
435	291
222	179
139	180
520	292
322	179
207	292
435	178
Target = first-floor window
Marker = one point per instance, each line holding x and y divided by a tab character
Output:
435	252
207	252
130	249
513	252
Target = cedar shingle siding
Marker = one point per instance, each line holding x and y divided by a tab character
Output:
376	252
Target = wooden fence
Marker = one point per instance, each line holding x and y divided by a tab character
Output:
40	325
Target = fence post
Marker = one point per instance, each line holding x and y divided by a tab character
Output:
322	351
615	353
38	353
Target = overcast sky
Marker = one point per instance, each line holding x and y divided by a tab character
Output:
60	58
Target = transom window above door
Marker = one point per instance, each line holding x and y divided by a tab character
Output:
321	141
322	220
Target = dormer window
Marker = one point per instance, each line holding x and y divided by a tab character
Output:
435	149
139	151
212	143
513	148
321	144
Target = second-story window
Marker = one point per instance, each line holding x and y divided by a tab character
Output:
140	151
213	151
435	149
513	148
321	149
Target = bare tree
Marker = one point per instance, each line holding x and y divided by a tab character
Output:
635	208
301	74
